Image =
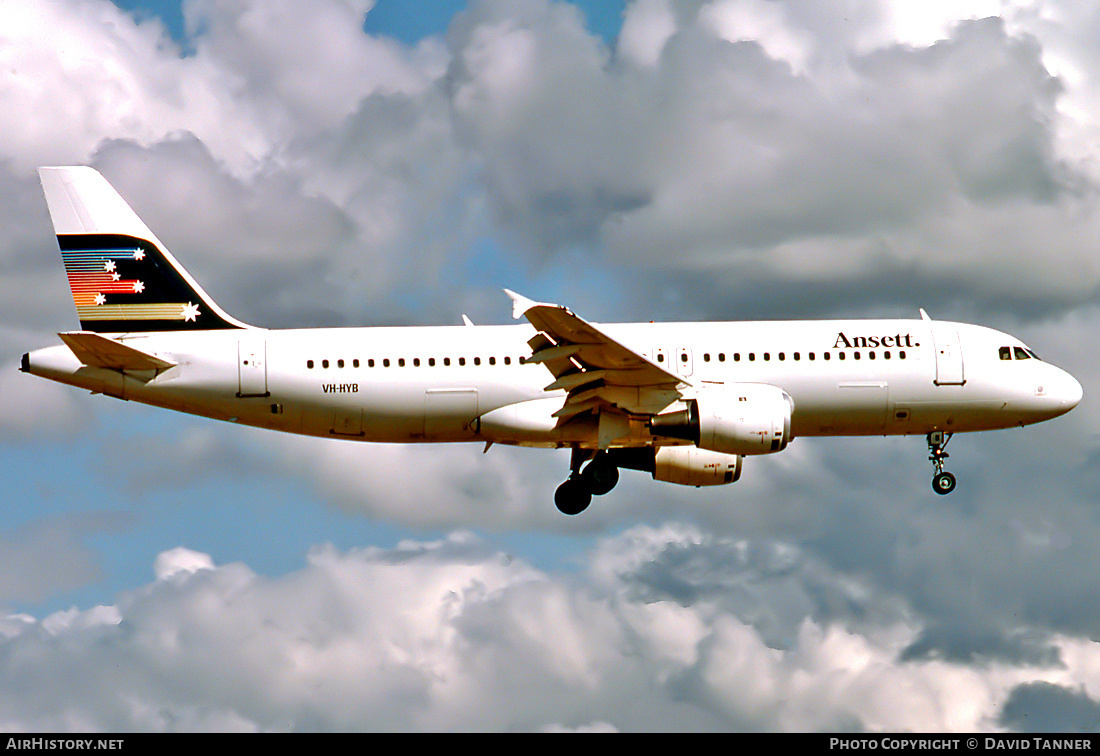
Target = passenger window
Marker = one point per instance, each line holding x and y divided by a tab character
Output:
309	364
1021	353
1006	353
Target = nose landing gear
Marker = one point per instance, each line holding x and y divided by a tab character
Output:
597	478
942	482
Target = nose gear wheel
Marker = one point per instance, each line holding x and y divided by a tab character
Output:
942	482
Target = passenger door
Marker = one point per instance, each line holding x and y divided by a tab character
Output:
949	357
252	366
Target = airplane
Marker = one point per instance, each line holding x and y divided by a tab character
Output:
684	402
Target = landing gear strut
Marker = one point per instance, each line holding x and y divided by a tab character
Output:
942	482
598	478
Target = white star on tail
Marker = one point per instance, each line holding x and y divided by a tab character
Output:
100	299
138	287
139	255
190	311
109	265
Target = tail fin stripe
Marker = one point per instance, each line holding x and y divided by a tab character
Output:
117	279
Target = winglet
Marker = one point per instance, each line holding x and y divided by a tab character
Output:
924	315
520	304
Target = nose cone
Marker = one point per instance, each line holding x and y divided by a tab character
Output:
1043	393
1059	392
1070	392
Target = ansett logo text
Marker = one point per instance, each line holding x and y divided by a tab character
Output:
871	342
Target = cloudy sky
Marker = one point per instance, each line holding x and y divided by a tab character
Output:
352	163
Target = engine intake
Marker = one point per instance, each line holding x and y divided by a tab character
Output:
742	418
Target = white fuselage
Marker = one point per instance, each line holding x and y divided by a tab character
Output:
435	384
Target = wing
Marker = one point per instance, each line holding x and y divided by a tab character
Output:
598	372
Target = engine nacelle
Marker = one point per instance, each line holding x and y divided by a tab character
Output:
739	418
691	466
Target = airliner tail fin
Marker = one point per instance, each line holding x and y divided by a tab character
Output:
122	278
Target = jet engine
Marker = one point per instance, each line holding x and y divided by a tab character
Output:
740	418
690	466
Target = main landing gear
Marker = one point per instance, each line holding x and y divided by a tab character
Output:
598	477
942	482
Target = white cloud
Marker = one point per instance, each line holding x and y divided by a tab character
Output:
451	635
646	28
299	73
761	22
180	561
39	409
443	485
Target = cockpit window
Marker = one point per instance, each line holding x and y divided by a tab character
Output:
1022	354
1006	353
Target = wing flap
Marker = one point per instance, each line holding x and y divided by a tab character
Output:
567	343
600	375
99	351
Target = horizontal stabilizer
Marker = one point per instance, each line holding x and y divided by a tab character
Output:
94	350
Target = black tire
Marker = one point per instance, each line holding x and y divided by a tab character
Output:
943	483
600	477
572	497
